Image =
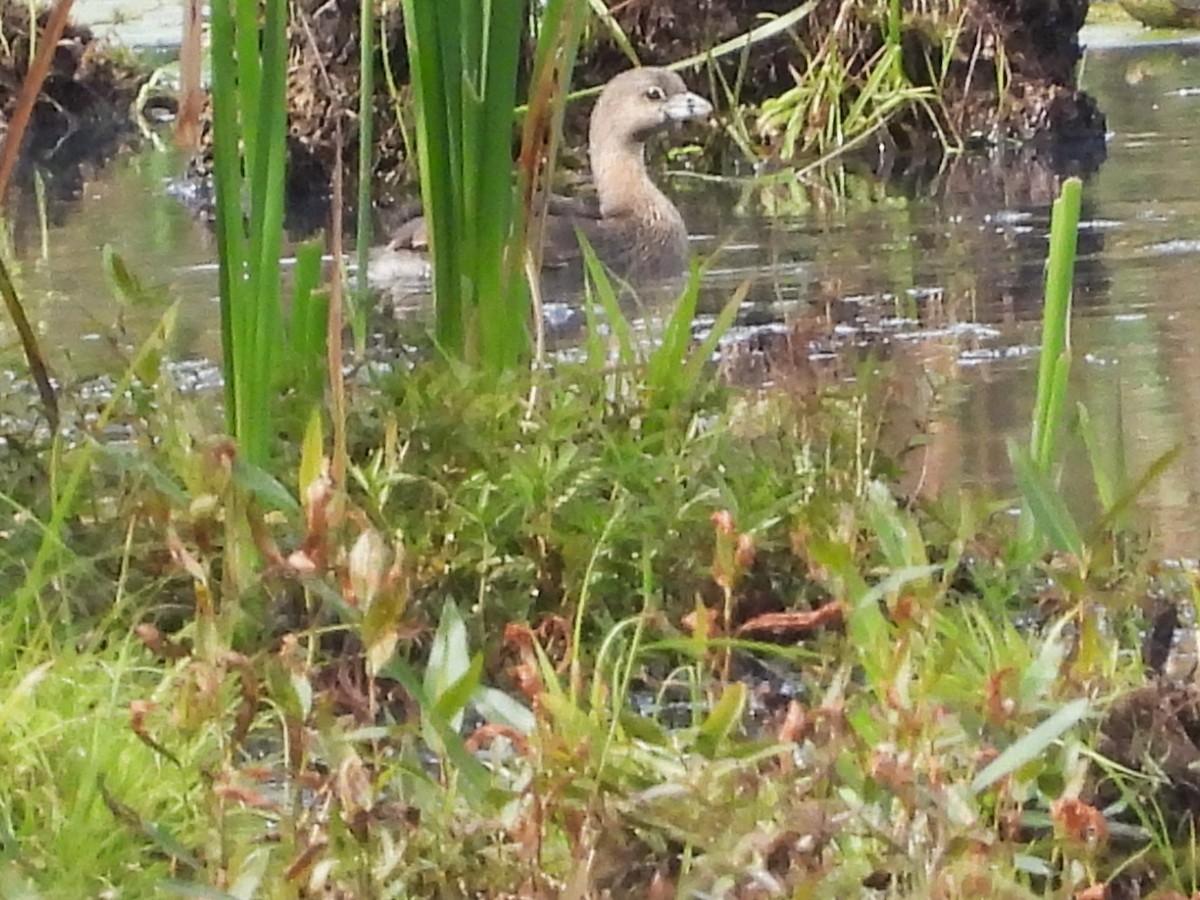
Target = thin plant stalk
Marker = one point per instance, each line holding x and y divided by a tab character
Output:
29	343
191	99
366	141
333	337
39	67
31	87
541	131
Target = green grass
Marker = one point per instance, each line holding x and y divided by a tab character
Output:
67	741
275	751
593	627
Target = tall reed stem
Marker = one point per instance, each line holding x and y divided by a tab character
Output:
464	55
1054	365
249	126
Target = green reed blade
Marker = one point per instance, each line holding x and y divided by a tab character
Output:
248	70
1055	359
740	43
250	124
1130	492
662	369
473	155
266	225
308	328
502	299
694	368
601	288
231	244
465	56
1032	744
366	146
1046	506
435	155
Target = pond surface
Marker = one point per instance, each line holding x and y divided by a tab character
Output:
943	277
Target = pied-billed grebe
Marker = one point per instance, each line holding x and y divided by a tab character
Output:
637	232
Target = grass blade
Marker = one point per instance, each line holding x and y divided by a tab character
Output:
1046	506
1030	746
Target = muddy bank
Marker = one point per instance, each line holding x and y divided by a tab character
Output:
970	47
1164	13
83	115
1032	45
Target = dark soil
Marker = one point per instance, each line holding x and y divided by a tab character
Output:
1152	734
323	99
1035	42
83	114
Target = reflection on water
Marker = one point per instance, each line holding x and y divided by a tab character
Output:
946	282
85	329
947	285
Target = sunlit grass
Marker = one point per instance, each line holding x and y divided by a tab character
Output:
66	744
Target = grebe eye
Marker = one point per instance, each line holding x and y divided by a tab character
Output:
655	93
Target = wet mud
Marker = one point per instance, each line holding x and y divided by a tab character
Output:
83	115
1030	46
1033	45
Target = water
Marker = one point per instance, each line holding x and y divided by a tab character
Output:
943	279
135	23
947	284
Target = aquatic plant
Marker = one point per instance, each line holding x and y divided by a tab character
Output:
1048	517
261	353
838	102
464	59
249	125
1054	364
